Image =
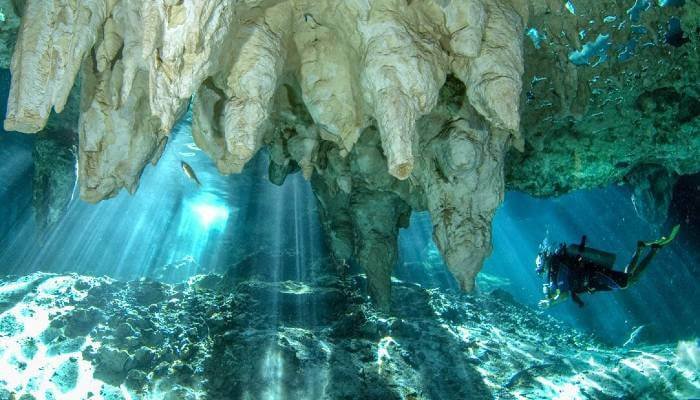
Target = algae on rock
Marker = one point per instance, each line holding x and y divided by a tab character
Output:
635	103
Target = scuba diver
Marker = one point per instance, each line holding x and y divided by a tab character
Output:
574	269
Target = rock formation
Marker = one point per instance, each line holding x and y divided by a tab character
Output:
211	339
55	176
387	106
10	18
652	192
633	102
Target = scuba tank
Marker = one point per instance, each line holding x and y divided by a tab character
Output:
589	255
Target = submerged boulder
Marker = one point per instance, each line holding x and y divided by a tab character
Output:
218	344
66	376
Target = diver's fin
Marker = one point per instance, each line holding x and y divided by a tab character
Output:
665	239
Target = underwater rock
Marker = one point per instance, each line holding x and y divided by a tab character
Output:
29	348
10	295
652	192
9	326
111	393
111	365
219	344
144	357
11	12
48	54
62	345
136	379
66	376
148	292
79	322
635	102
177	271
55	176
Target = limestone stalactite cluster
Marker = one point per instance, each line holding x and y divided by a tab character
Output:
352	93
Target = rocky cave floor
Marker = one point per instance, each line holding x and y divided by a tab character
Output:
262	336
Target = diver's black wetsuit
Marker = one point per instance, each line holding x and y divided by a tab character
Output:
575	269
573	274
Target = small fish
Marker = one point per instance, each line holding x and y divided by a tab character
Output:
190	173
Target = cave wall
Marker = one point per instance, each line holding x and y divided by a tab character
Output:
596	117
